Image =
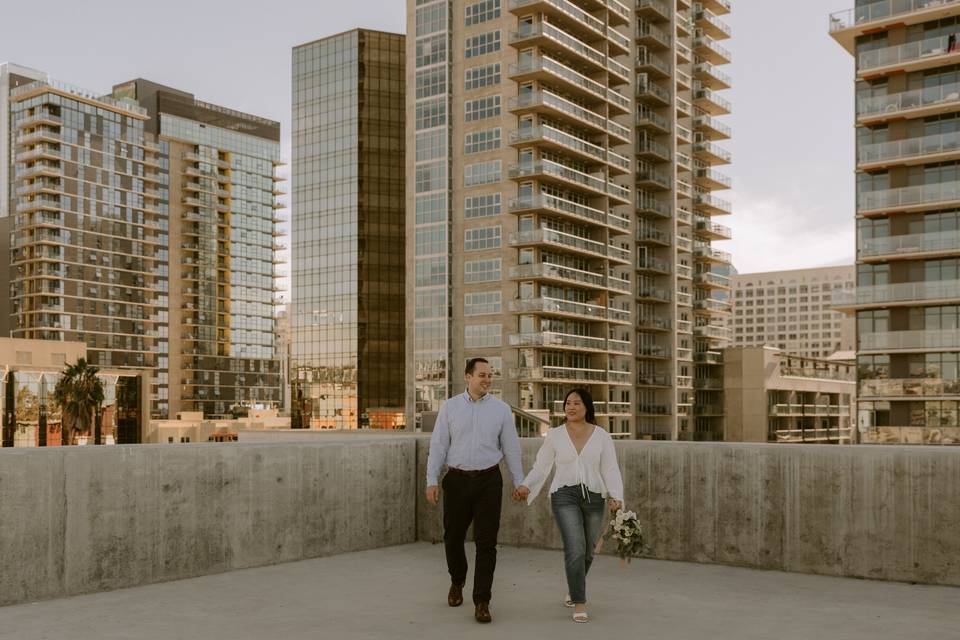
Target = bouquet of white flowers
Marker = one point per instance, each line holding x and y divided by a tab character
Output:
628	533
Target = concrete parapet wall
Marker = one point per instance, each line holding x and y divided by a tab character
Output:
883	512
82	519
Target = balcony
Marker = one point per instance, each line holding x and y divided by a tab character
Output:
912	56
712	332
576	18
710	51
648	177
650	94
564	143
909	340
939	147
649	149
653	351
653	65
647	293
653	265
910	246
711	128
710	102
705	202
918	103
543	67
653	322
546	35
651	36
566	374
570	242
684	53
708	357
711	230
711	77
569	209
900	293
708	178
716	7
711	154
916	198
647	203
846	25
706	253
649	235
713	307
568	112
558	341
554	171
41	117
655	9
712	26
648	379
711	280
553	306
907	388
557	273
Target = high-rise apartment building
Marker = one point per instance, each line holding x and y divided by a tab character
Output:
144	226
347	303
220	194
560	203
907	299
793	311
88	258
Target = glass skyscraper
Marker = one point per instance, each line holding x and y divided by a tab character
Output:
347	310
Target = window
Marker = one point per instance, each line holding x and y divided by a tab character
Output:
431	177
481	173
481	238
431	303
431	82
480	141
482	11
481	270
431	145
480	206
431	240
481	108
478	304
432	208
433	271
431	113
482	335
431	19
431	50
479	77
482	44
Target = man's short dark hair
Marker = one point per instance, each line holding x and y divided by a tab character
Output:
472	364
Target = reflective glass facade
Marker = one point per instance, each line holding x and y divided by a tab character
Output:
347	302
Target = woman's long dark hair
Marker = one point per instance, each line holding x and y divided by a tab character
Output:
587	400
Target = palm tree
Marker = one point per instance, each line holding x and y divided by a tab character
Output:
79	392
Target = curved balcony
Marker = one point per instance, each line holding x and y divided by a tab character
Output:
916	198
917	103
910	246
939	147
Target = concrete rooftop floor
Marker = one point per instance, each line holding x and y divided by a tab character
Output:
400	592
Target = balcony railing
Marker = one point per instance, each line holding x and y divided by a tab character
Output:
712	152
553	305
904	53
911	243
899	387
711	76
879	10
557	272
919	195
648	33
711	51
906	100
568	8
551	339
920	339
711	102
557	238
569	374
900	292
552	134
711	127
909	148
559	205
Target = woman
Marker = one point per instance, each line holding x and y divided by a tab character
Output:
586	474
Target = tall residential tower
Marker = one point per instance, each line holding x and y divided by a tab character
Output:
907	300
560	206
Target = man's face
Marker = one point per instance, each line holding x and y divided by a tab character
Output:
478	383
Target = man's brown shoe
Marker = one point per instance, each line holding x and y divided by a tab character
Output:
482	613
455	596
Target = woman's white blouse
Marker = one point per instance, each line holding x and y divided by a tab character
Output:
595	468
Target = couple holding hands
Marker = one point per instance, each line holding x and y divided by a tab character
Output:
473	432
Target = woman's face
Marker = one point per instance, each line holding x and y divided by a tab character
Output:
574	408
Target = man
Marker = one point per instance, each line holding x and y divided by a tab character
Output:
473	432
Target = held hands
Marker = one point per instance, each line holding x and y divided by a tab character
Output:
614	505
433	494
521	493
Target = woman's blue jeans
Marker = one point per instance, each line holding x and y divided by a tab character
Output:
580	520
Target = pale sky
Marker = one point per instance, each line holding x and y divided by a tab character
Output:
792	98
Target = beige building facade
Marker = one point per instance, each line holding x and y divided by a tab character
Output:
793	310
772	396
561	175
907	298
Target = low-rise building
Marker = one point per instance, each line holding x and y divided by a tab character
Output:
773	396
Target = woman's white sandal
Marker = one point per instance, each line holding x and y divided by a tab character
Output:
567	602
581	616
